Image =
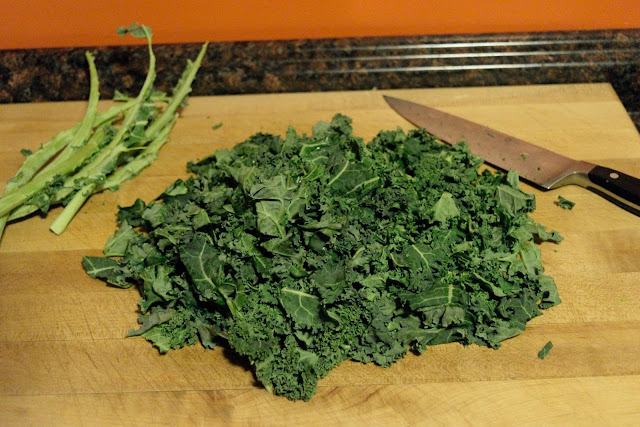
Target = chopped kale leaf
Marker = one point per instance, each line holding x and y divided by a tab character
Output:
545	350
564	203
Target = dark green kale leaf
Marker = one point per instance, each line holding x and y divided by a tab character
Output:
564	203
301	252
445	208
106	269
302	307
545	350
117	244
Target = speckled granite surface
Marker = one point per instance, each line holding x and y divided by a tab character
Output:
339	64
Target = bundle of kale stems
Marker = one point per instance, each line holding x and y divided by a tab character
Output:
101	151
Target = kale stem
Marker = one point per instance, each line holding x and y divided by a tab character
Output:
3	223
110	153
183	88
62	221
131	169
34	162
96	140
86	125
38	158
11	201
106	160
140	162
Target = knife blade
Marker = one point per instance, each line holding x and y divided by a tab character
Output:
544	168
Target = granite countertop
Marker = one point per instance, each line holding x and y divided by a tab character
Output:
339	64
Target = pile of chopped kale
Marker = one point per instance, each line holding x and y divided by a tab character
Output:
302	252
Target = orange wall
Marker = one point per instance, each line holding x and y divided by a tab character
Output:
51	23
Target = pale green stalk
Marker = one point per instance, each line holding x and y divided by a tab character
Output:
38	158
34	162
105	163
107	158
113	181
8	202
86	125
68	187
144	159
183	88
158	130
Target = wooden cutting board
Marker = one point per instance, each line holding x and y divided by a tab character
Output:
63	358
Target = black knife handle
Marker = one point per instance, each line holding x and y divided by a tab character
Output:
617	187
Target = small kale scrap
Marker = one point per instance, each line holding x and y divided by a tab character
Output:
300	252
544	351
565	203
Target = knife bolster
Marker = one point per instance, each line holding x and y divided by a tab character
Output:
576	174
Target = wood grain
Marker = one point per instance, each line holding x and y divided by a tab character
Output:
63	358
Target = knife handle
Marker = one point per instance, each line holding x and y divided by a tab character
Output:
617	187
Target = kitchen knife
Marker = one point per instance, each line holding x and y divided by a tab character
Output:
534	164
